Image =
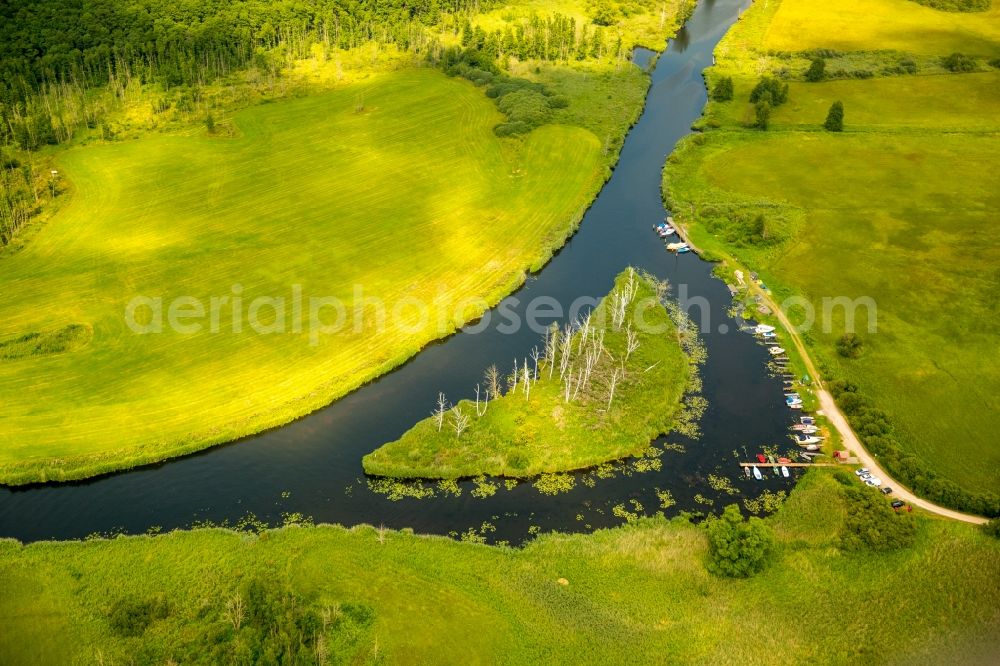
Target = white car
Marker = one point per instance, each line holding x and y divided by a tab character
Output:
862	471
873	481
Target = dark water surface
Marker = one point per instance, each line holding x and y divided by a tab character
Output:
313	466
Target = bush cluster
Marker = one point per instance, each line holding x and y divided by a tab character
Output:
872	524
768	93
722	91
959	62
873	427
526	104
738	548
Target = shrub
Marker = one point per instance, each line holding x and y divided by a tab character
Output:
908	65
525	106
762	113
816	71
835	123
771	90
511	129
130	618
872	524
723	89
738	548
992	528
850	345
958	62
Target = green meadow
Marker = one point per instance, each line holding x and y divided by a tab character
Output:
559	416
398	184
635	594
898	208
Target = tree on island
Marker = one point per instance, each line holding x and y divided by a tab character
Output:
835	117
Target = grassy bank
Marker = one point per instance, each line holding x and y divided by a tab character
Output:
895	208
600	393
639	593
392	180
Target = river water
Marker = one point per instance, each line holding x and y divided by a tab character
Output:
313	466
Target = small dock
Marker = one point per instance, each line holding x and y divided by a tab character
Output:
790	464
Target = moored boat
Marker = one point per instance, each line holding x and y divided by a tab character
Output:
756	473
784	471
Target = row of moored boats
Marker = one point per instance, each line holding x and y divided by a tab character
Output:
667	230
805	433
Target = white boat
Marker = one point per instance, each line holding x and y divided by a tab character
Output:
769	334
795	405
806	429
673	247
811	447
784	471
775	350
756	473
807	439
748	471
763	328
807	420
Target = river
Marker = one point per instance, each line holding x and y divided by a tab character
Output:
313	466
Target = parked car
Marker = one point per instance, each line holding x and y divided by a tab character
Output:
887	490
862	471
898	503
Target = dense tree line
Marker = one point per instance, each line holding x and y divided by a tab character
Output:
48	41
53	50
554	38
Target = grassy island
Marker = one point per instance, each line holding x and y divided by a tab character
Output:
602	389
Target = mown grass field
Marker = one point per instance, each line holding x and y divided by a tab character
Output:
525	433
412	196
896	208
901	25
636	594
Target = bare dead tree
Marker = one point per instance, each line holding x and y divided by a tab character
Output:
551	347
535	356
235	610
514	377
611	387
459	420
631	344
492	376
568	385
381	533
565	350
438	413
526	380
584	331
486	402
